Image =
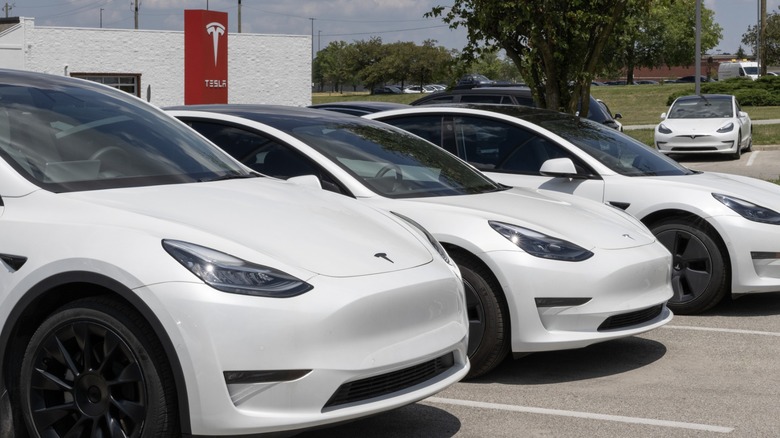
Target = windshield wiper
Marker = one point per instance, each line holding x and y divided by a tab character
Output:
230	176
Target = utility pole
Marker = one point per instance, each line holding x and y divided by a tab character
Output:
7	9
762	40
137	3
101	18
239	16
698	47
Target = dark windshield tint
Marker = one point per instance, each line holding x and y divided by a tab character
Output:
614	149
67	135
391	162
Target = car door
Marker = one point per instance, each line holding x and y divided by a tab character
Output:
507	153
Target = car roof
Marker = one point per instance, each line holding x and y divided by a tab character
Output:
360	107
273	114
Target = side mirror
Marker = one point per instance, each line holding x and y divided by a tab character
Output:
559	168
743	114
306	181
617	116
663	116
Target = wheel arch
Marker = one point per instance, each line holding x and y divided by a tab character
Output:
465	253
54	292
662	215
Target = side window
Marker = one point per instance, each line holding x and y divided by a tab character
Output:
431	128
480	98
448	98
498	146
263	154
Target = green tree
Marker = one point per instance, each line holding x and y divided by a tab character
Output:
332	65
659	34
772	36
555	44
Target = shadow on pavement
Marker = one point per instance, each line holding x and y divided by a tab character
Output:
763	304
411	421
599	360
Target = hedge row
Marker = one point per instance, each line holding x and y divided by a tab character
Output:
765	91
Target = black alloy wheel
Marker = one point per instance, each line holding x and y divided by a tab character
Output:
699	272
92	369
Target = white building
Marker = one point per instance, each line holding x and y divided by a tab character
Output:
273	69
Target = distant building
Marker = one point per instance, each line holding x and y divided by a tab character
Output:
273	69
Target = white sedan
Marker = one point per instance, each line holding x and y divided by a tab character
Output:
705	124
151	286
723	230
542	271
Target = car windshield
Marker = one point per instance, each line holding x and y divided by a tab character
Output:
619	152
66	135
701	108
392	162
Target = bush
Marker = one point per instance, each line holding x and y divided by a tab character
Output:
765	91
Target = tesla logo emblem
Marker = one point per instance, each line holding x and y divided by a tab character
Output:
215	30
628	236
382	255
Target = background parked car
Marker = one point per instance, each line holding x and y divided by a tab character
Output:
516	95
722	230
705	124
388	89
473	80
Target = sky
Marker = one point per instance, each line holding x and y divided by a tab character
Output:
325	20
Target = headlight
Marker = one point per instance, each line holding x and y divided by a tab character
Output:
230	274
541	245
728	128
749	210
663	129
435	243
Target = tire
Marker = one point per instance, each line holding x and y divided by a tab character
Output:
699	270
738	154
489	339
94	368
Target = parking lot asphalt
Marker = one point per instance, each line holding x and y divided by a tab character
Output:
710	375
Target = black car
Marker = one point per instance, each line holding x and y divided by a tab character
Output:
508	96
359	108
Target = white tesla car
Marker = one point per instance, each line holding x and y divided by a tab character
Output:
705	124
542	272
150	285
723	230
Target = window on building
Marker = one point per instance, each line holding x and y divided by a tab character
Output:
130	83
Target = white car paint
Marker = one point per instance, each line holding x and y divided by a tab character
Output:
629	271
101	243
750	260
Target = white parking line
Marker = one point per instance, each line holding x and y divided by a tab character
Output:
723	330
752	158
586	415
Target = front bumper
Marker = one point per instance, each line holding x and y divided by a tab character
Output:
345	330
696	144
630	287
754	249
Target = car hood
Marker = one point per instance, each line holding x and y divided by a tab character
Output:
749	189
310	229
681	126
587	223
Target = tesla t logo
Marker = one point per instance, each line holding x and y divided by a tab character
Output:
628	236
382	255
216	30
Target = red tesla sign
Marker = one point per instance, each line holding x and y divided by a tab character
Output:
205	57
